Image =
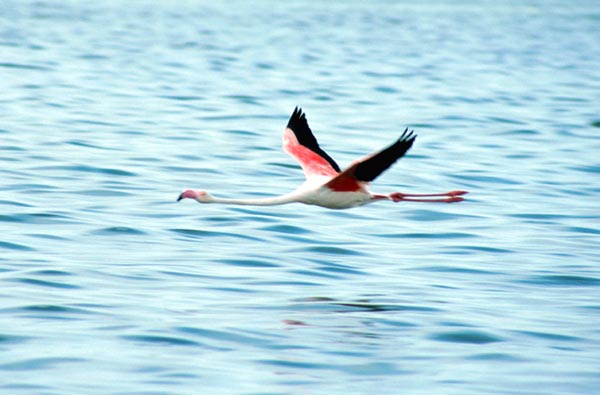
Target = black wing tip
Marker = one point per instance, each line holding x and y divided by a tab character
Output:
408	136
406	139
297	117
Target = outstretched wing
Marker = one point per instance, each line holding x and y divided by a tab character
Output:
372	166
369	168
299	142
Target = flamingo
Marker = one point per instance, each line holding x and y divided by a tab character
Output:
326	184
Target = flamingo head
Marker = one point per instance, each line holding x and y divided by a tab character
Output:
200	196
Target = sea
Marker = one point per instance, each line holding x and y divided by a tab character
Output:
109	109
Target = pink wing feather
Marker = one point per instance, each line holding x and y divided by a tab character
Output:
299	142
311	163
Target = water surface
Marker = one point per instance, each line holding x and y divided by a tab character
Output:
110	109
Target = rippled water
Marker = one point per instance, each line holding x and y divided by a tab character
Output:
108	286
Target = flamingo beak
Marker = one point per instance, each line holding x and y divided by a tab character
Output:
180	197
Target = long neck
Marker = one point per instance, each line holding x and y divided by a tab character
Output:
270	201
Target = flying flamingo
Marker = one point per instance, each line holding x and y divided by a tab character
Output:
326	184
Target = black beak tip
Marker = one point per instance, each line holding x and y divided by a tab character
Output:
180	197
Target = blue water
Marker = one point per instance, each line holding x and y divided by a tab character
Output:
109	109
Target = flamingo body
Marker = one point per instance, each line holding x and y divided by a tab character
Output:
326	197
326	184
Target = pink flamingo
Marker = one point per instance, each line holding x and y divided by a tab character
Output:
326	184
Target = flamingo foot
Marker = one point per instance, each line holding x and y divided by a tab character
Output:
454	199
457	193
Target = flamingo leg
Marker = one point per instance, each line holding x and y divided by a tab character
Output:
451	193
449	197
